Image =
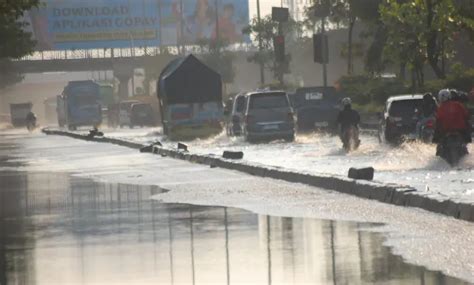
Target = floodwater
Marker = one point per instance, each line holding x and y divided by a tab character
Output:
413	164
60	229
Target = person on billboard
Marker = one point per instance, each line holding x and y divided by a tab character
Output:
39	23
199	24
226	26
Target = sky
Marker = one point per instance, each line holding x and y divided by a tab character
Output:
265	7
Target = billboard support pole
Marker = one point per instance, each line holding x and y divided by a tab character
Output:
262	70
160	27
325	70
181	28
217	27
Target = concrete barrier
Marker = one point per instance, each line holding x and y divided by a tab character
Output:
386	193
233	154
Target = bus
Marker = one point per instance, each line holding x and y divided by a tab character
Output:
190	99
82	104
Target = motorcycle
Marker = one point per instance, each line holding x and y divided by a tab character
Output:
31	125
452	148
31	122
425	130
350	138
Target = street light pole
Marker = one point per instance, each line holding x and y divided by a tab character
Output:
325	52
260	47
217	27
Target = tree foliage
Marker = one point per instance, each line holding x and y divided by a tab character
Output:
265	30
422	31
15	41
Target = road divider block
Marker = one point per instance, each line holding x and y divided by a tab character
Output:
366	173
233	154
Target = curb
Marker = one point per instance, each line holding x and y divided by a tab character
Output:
386	193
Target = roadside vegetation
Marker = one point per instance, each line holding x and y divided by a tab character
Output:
15	41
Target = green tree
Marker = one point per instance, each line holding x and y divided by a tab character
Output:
344	13
15	41
266	29
420	31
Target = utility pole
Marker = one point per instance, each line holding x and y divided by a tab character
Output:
160	31
217	28
320	44
181	28
325	52
260	47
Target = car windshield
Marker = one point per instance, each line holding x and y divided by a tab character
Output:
268	101
404	108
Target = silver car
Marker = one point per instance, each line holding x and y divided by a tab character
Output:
268	116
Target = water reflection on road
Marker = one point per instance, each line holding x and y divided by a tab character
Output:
62	229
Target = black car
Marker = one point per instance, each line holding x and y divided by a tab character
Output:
141	114
316	108
399	118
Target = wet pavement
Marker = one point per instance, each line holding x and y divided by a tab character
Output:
60	229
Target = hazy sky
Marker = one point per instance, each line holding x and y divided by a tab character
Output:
265	6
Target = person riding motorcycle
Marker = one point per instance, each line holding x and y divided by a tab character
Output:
31	118
451	116
348	117
427	112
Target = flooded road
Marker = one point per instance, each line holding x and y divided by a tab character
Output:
413	164
59	229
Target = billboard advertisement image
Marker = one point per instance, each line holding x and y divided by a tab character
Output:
89	24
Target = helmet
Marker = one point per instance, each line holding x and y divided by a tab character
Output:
444	95
346	101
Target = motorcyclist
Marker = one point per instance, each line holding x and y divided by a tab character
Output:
459	96
31	118
451	116
348	117
427	112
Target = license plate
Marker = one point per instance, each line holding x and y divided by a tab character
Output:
270	127
321	124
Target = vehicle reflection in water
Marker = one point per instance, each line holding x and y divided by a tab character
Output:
62	229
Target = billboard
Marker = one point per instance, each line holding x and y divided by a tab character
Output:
90	24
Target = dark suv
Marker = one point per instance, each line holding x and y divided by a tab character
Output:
399	118
316	108
269	115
